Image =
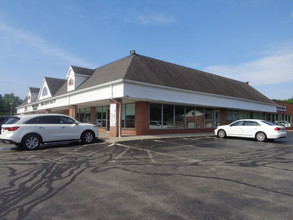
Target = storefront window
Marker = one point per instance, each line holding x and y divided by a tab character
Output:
83	115
244	115
80	114
280	119
179	117
258	115
190	116
128	116
101	118
168	116
208	117
232	116
199	117
155	116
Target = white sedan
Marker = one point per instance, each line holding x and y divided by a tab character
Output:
251	128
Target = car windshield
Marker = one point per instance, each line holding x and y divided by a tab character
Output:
268	123
12	120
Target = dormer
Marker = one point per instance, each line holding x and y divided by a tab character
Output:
49	87
32	94
76	76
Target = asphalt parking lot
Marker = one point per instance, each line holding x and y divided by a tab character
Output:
184	178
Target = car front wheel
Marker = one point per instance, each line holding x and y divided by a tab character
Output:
31	142
260	136
221	134
87	137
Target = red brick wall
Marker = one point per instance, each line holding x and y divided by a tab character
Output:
72	111
289	111
93	115
142	117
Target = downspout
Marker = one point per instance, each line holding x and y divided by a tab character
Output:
119	111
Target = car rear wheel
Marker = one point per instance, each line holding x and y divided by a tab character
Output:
31	142
87	137
260	136
221	134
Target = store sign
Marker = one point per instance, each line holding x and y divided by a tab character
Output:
281	108
113	115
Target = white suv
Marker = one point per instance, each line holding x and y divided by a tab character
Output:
29	131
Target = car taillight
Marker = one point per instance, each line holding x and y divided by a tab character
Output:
277	129
11	128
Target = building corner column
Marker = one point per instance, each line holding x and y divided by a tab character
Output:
115	117
142	118
73	111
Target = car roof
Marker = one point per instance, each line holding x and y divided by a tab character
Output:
250	120
42	114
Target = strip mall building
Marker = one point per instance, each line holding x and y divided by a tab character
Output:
139	95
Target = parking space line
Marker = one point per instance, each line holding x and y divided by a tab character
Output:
151	157
80	148
34	155
120	155
163	154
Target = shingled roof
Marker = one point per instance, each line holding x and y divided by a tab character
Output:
34	90
54	84
82	70
149	70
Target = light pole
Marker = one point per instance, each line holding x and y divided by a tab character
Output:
10	108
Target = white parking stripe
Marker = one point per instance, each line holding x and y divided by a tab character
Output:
120	155
151	157
163	154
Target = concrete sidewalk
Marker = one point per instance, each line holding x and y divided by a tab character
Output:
105	136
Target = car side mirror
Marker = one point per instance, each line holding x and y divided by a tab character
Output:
76	123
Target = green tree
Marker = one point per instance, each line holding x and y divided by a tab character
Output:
1	106
8	102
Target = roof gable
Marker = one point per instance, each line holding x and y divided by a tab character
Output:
110	72
54	84
32	94
49	87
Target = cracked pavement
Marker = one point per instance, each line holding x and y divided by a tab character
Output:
183	178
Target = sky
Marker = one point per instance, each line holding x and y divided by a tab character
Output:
249	41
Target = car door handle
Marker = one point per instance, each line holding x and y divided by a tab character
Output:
63	127
41	127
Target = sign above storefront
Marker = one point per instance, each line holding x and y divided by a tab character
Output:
281	108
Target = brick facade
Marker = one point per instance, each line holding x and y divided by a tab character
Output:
289	111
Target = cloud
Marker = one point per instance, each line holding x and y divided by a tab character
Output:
274	68
160	19
36	42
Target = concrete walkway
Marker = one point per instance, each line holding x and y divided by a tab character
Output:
105	136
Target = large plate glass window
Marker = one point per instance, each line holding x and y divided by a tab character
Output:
128	115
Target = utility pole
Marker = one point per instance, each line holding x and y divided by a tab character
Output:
10	108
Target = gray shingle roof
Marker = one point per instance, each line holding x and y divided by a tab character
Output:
149	70
54	84
34	90
107	73
82	70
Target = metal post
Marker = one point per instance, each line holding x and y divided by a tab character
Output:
10	108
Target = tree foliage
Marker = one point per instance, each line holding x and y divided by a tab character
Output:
8	102
290	101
